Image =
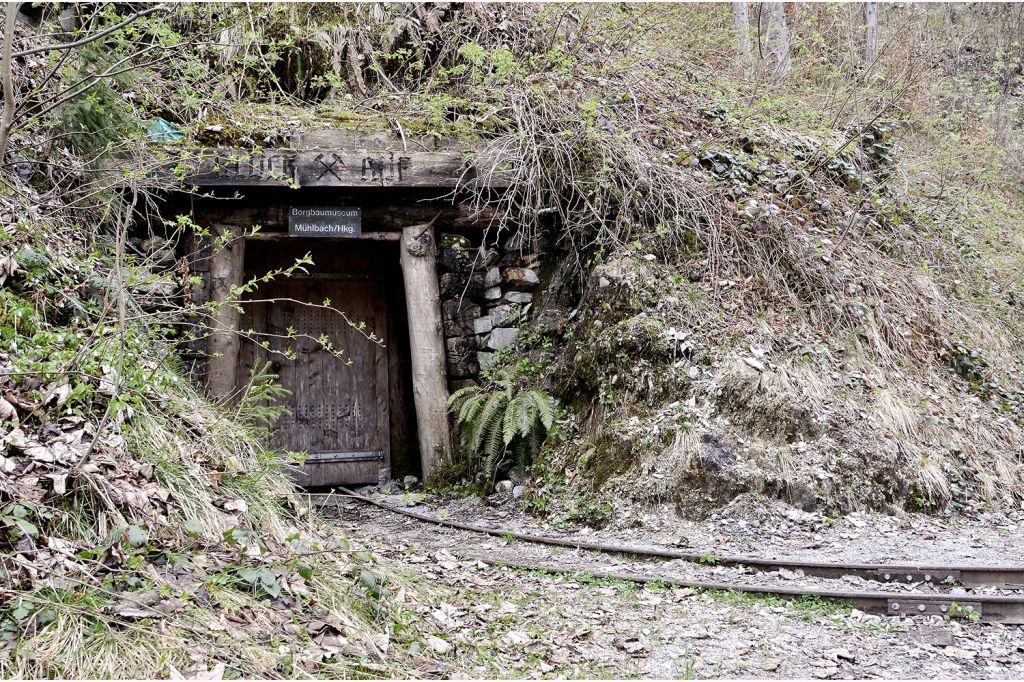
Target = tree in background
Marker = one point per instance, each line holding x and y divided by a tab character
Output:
870	33
741	22
7	118
775	49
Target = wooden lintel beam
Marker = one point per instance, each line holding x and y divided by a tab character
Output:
362	168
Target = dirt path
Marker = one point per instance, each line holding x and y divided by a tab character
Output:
501	622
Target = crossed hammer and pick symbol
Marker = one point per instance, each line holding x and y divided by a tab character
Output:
329	166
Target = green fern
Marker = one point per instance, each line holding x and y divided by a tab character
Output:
463	394
502	419
545	407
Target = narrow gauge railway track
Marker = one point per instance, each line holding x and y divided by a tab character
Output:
988	607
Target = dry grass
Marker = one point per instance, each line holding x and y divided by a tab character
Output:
829	419
889	411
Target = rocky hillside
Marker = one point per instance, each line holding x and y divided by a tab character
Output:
780	297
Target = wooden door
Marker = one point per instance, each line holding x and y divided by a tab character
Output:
339	400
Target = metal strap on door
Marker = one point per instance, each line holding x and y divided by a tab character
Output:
357	456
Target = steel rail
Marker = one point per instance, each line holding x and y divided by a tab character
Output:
990	608
1011	577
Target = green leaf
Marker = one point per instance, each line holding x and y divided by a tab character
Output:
271	585
27	527
306	571
137	535
249	575
545	406
234	536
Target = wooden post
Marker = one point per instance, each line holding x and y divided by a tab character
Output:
426	344
226	270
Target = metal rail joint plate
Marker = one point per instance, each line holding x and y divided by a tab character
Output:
899	606
891	575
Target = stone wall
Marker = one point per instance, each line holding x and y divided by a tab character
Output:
486	294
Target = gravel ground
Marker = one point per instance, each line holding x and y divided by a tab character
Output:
501	622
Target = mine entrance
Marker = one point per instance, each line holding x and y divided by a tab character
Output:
336	336
377	405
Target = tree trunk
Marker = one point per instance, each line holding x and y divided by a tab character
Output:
741	23
226	271
426	345
7	66
870	32
777	39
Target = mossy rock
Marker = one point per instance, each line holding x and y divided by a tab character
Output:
219	135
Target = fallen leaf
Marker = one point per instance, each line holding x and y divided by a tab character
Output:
517	637
238	505
959	654
7	412
7	268
438	645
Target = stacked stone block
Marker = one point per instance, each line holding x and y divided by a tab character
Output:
485	296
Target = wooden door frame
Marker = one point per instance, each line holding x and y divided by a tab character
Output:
418	257
426	346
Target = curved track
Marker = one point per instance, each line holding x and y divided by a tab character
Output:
1004	608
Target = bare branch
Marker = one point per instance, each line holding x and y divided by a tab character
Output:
89	39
